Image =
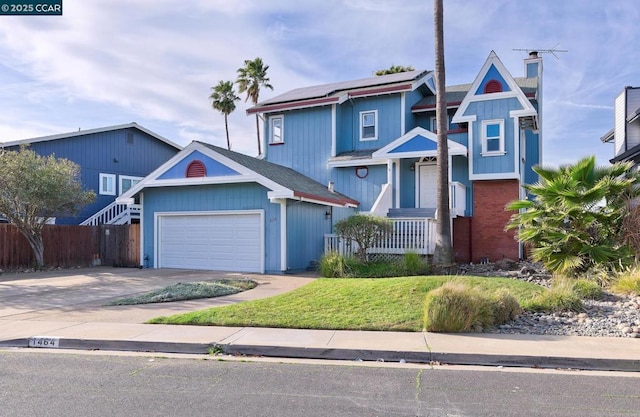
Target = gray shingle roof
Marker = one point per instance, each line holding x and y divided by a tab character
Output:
301	185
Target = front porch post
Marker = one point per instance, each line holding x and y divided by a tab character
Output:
396	184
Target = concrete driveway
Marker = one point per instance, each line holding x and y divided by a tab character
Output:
80	295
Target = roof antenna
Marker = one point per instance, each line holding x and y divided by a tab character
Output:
551	51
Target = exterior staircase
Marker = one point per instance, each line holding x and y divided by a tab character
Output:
395	213
114	213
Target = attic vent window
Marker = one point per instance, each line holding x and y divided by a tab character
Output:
493	86
196	169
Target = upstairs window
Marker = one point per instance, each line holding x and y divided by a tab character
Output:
276	129
107	184
434	124
369	125
196	169
493	137
127	182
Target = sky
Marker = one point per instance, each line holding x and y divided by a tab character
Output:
153	62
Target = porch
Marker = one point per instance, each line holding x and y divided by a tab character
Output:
415	235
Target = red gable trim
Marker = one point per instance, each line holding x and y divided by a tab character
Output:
372	91
343	201
293	104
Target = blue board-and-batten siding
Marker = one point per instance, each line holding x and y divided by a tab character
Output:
494	110
389	122
128	152
366	190
307	142
306	226
224	197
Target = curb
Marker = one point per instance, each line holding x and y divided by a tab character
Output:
440	358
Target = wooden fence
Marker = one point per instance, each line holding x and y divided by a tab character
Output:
66	246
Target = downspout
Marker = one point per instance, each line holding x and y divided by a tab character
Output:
283	234
142	255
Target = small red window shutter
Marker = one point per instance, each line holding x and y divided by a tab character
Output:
196	169
493	86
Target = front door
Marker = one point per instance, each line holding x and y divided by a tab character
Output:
427	185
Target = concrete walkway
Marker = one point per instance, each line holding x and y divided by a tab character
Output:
68	310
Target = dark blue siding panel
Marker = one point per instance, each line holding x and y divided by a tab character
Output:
129	152
532	155
214	198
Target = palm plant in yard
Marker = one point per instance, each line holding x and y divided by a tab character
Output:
251	78
574	222
223	99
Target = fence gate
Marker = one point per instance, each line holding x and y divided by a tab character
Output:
119	245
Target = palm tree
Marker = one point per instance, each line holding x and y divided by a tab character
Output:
443	254
251	78
394	69
576	220
223	99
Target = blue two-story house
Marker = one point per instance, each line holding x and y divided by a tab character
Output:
333	150
112	160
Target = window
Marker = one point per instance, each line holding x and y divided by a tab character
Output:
276	129
434	123
369	125
127	182
107	184
493	137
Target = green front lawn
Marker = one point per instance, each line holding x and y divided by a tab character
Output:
346	304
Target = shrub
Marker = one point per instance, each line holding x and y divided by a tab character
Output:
333	265
587	290
456	307
415	265
505	307
560	297
628	282
364	229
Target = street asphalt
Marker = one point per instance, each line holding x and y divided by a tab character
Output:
66	309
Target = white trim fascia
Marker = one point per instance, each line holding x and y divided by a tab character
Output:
283	234
89	132
403	108
496	176
157	237
356	163
523	113
423	80
516	91
246	174
342	97
455	148
334	126
433	109
141	230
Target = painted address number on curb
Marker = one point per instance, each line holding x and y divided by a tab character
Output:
44	342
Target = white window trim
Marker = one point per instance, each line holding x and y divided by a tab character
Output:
375	125
113	182
484	138
271	120
127	177
433	121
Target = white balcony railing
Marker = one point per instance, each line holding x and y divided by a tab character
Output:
114	213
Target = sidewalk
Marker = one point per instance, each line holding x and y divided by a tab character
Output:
91	326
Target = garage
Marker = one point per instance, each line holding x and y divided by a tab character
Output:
221	241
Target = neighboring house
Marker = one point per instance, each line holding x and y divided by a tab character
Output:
111	159
625	134
337	149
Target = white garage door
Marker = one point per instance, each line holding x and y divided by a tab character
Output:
221	241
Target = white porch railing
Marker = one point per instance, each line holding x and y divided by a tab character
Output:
408	235
384	201
114	213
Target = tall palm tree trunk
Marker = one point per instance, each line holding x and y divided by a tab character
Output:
443	255
258	134
226	128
